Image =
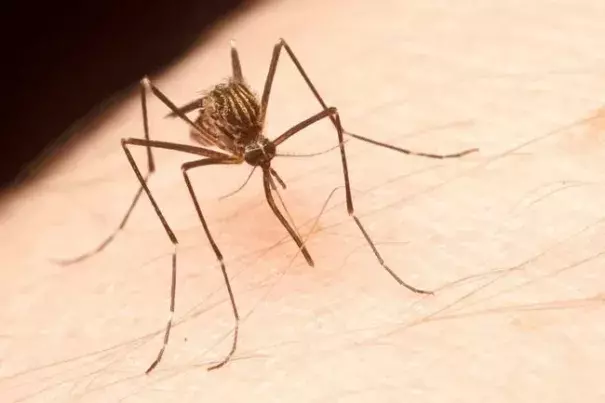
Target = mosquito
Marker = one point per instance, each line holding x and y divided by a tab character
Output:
231	119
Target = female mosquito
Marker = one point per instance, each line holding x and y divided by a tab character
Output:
231	118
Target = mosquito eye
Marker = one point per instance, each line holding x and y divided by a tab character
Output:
254	156
270	149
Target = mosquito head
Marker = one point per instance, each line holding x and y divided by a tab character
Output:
259	152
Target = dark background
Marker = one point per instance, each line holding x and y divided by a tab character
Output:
64	57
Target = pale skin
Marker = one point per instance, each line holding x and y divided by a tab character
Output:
511	238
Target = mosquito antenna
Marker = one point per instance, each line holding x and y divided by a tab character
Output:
241	186
316	221
311	154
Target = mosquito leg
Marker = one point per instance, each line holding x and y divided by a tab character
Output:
174	147
332	113
219	256
174	242
269	81
188	107
351	212
111	236
334	117
269	172
170	316
236	66
271	75
135	200
410	152
150	160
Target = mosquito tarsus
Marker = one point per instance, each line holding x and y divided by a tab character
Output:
231	119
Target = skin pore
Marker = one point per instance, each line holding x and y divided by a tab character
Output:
509	238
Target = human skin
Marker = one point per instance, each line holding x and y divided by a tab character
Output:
510	238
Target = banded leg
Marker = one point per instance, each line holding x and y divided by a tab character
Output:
332	113
137	196
219	256
282	44
269	83
174	147
268	172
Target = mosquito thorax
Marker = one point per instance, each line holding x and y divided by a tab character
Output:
259	152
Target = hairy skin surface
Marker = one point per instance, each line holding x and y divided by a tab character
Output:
512	238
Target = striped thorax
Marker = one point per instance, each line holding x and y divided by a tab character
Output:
231	114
